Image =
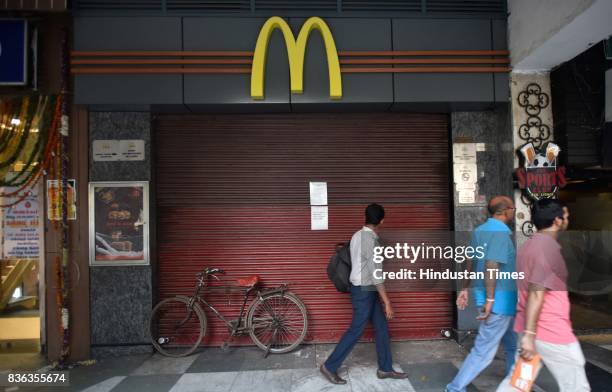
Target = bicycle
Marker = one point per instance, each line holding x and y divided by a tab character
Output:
276	319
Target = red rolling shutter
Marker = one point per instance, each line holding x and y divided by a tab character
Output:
233	192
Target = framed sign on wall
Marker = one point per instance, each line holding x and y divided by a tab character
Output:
13	52
118	224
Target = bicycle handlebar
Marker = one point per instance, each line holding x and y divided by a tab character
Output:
211	271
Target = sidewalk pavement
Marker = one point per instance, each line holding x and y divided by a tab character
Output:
430	365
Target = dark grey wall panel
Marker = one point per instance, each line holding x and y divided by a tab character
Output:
235	34
422	87
128	89
128	33
442	34
500	42
349	34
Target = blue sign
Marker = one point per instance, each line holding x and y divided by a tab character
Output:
13	52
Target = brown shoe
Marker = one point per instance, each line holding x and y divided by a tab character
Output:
332	377
392	374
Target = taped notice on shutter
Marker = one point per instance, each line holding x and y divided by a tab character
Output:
318	193
319	216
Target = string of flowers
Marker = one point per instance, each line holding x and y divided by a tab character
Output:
41	169
41	119
24	130
64	162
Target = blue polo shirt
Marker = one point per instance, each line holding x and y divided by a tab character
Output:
496	239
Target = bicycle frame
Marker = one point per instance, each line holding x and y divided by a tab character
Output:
237	327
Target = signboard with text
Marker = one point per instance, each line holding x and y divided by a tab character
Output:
540	177
13	52
21	228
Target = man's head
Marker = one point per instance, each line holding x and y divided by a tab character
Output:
374	214
550	214
502	208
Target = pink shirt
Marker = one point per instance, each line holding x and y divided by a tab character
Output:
542	263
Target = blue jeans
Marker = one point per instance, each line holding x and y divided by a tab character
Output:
496	328
366	307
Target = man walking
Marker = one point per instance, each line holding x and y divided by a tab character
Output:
366	294
496	297
543	312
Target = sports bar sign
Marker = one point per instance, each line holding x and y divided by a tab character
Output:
540	176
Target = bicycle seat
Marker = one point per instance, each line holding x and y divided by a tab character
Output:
248	281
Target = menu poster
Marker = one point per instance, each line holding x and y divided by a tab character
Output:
118	230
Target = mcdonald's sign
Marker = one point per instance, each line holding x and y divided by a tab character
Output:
296	52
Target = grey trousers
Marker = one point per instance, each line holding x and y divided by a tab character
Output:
564	361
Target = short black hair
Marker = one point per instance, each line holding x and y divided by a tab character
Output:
545	211
374	213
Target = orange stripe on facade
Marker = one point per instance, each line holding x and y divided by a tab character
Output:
221	62
428	70
165	53
111	70
186	53
117	70
427	53
248	62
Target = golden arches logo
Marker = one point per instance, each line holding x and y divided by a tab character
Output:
296	52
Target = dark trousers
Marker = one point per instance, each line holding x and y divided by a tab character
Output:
366	307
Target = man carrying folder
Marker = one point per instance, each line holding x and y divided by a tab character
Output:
543	312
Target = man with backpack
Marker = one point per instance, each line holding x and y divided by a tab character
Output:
367	292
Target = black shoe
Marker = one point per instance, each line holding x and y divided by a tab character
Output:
392	374
332	377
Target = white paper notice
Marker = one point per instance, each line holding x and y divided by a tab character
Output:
106	150
467	196
464	152
132	150
318	194
465	175
318	217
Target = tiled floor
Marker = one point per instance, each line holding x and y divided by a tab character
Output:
429	364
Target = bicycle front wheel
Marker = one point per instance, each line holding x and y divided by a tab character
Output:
176	327
278	322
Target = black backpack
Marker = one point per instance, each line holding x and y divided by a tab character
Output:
339	268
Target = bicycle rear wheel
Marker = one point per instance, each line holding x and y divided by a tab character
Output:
278	322
176	328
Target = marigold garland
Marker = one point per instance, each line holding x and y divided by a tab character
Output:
30	179
64	305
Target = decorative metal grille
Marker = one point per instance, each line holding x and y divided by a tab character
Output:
533	100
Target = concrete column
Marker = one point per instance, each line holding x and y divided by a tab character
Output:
532	121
